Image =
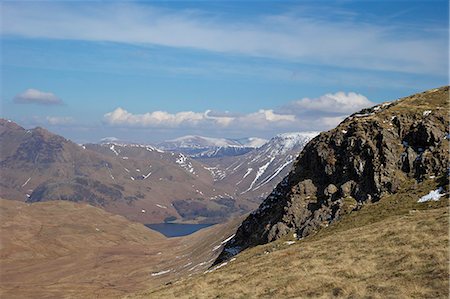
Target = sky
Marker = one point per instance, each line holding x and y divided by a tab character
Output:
156	70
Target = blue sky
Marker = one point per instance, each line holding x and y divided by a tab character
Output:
149	71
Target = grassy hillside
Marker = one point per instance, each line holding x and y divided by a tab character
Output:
61	249
395	248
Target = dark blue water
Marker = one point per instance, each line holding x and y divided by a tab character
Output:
175	229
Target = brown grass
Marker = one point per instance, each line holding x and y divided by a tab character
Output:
396	248
62	249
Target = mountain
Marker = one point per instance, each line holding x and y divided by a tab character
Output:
257	172
207	147
252	142
136	181
374	152
133	180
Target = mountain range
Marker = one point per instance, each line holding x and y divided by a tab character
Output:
137	180
207	147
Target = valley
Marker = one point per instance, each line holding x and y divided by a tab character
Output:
358	211
224	149
61	249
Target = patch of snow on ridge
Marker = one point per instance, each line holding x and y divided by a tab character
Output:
275	173
113	149
182	160
247	173
146	176
161	272
253	142
282	143
216	173
228	239
24	184
109	139
426	113
260	171
434	195
216	267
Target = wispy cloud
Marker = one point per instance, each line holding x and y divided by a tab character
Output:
320	113
34	96
342	43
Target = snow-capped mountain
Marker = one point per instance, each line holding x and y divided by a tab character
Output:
253	142
258	171
207	147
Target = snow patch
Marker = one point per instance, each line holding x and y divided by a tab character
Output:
113	149
216	267
434	195
275	173
228	239
184	163
260	171
24	184
161	272
147	175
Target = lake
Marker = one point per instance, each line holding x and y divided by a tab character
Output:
176	229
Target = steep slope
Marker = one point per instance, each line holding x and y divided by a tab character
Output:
195	198
371	153
207	147
395	248
130	180
253	175
61	249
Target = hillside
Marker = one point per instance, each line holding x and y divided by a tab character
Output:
135	181
61	249
371	153
254	174
207	147
394	248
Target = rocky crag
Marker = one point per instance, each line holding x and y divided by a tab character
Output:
373	152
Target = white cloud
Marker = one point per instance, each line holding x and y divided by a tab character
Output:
339	102
59	120
345	43
152	119
164	119
321	113
331	122
34	96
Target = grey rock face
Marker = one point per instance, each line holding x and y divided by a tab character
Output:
369	154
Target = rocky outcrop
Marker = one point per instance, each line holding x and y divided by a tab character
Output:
372	152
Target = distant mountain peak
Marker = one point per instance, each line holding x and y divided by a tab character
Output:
109	139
